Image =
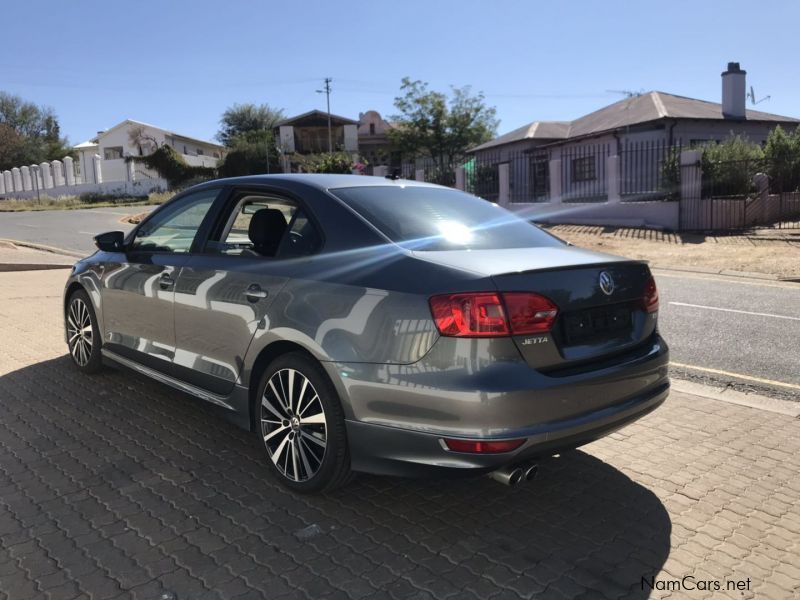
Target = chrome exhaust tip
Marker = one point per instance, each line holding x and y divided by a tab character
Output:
531	471
510	476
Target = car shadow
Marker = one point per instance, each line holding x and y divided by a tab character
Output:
165	465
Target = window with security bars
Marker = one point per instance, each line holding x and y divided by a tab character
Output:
583	169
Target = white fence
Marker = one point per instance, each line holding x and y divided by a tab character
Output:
60	178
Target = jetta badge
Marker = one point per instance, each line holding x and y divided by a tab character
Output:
606	283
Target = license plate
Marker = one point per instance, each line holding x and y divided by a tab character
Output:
594	323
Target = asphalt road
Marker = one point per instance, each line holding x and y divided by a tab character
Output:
740	326
719	329
71	230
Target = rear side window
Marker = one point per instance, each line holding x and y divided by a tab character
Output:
428	218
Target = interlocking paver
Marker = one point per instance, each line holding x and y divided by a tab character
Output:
114	486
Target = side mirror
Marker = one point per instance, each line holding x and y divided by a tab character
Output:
111	241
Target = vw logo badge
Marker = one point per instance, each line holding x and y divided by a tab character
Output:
606	283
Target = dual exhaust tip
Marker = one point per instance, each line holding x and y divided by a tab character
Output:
515	474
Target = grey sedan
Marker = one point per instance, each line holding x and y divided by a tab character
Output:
374	325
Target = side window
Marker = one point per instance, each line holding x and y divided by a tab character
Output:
263	226
174	227
303	238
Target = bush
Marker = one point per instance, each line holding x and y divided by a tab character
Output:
333	162
729	167
782	160
248	155
171	166
98	198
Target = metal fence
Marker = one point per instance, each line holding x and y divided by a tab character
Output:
649	170
584	173
735	195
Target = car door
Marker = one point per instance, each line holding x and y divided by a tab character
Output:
138	292
223	295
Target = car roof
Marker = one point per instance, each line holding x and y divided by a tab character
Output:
321	181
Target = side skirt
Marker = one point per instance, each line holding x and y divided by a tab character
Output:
237	405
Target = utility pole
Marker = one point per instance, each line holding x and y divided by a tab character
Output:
327	91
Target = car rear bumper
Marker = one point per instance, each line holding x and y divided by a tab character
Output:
385	450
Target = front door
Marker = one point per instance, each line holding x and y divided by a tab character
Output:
138	292
223	295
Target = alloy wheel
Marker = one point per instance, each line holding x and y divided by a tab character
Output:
79	332
293	425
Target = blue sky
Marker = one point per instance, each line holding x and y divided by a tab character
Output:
179	64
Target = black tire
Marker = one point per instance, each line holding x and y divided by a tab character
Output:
292	445
83	334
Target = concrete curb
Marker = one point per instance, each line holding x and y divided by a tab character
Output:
729	273
783	407
43	248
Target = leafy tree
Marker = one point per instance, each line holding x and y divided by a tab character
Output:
782	158
433	125
729	166
29	133
248	155
241	119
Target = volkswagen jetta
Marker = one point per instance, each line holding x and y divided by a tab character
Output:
377	325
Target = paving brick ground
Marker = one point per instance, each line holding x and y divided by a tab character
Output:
116	487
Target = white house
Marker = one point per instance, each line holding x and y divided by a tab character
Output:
134	138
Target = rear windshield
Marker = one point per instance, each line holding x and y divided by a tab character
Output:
428	218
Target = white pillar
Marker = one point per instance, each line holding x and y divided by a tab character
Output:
9	180
460	179
98	169
503	180
554	173
351	138
69	171
691	174
27	183
58	173
2	185
47	175
16	174
612	179
420	175
131	168
87	170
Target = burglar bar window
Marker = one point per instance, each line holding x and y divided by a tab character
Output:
583	169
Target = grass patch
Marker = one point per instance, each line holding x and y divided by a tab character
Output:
84	201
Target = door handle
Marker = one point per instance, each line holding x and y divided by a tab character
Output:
254	293
165	281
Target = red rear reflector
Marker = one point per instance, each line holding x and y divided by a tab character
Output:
469	315
650	300
483	446
529	313
484	314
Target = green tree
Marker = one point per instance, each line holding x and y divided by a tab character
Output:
782	158
242	119
730	165
29	133
247	155
431	124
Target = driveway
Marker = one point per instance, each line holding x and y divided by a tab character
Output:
113	486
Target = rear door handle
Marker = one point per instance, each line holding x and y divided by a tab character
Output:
165	281
254	293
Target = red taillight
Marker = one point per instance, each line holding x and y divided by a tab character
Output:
650	300
487	314
529	313
482	446
469	315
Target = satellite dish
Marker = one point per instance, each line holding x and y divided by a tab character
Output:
752	96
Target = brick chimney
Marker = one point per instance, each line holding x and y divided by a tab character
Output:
734	93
